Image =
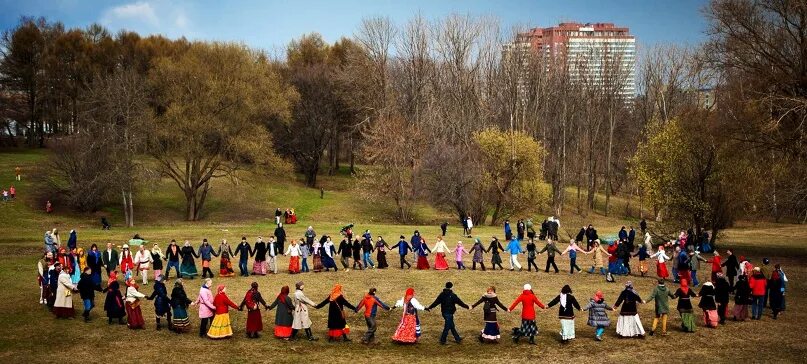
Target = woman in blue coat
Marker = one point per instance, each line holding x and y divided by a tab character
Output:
162	303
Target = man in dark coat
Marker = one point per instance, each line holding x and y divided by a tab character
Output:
280	235
448	302
245	251
110	258
444	227
403	249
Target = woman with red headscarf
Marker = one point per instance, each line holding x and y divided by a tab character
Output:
251	300
684	294
337	326
133	314
283	316
221	328
408	330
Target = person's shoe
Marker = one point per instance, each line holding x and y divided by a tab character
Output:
480	338
598	337
651	332
458	341
664	333
442	342
532	341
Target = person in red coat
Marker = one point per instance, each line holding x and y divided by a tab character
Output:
759	286
528	327
717	265
221	327
253	301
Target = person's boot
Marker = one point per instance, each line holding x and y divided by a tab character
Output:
310	335
120	321
293	334
110	321
86	316
159	326
532	340
345	338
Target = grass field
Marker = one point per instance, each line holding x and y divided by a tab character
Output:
246	210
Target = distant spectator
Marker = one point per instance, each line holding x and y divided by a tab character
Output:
5	195
105	224
48	207
18	173
12	192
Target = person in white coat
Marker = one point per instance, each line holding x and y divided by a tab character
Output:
470	224
294	252
63	305
301	319
142	262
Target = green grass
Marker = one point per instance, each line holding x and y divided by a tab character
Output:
247	210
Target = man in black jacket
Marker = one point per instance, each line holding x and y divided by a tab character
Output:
280	235
448	302
346	251
245	250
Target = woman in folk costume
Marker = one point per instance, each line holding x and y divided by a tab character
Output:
301	319
75	273
63	305
180	322
708	305
629	324
72	240
598	315
408	330
683	294
494	249
294	252
643	255
356	250
422	251
126	263
162	303
528	328
478	250
742	298
260	266
157	258
491	304
113	304
459	251
95	262
221	327
63	259
142	262
283	316
133	313
206	252
43	267
566	312
327	253
316	252
440	251
225	254
188	267
381	248
661	265
253	302
337	326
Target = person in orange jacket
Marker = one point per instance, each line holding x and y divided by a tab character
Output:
759	285
528	327
370	303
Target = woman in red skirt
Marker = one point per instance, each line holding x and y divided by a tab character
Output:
294	252
440	251
283	316
252	300
421	250
661	267
134	316
408	330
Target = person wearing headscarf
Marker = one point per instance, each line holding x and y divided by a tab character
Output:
162	303
337	326
440	251
142	262
684	295
253	302
316	254
225	254
408	330
708	304
356	249
629	324
776	291
528	328
113	304
180	322
490	306
421	250
187	269
206	307
459	251
50	244
381	248
742	298
327	254
661	265
495	257
63	305
598	315
370	303
478	250
75	264
301	319
294	251
134	314
283	315
759	287
126	262
157	258
221	327
86	288
56	239
259	266
565	312
403	249
662	297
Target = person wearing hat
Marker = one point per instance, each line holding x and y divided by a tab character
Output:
134	315
478	250
598	315
629	324
408	330
708	304
301	319
742	298
86	288
142	261
253	302
221	326
759	287
448	301
126	262
206	253
490	333
459	251
162	303
495	257
528	328
662	296
565	312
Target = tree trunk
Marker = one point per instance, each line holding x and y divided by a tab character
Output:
131	210
608	161
125	208
352	157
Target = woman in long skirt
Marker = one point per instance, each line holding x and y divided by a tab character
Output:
179	304
408	330
78	256
478	250
495	257
95	262
260	267
440	251
225	263
316	253
283	316
683	294
491	304
133	313
327	252
63	304
742	298
421	250
294	251
629	324
381	248
661	266
113	304
708	304
566	312
337	326
528	328
188	267
221	327
253	301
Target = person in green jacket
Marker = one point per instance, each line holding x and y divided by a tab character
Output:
550	250
662	297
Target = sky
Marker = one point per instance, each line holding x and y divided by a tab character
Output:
271	24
